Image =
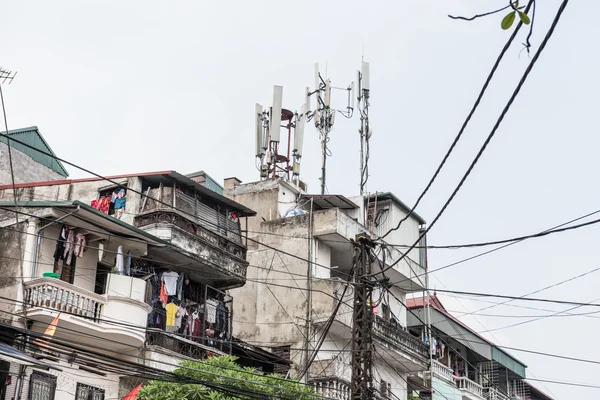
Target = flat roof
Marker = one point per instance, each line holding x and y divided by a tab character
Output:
326	201
391	196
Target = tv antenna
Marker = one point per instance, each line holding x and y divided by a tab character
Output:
274	162
324	115
365	131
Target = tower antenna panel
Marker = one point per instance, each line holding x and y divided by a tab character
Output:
275	117
366	76
260	133
299	132
328	93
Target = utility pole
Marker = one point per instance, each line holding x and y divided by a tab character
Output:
362	342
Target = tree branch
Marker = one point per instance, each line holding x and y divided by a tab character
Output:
480	15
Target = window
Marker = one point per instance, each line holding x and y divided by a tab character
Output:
85	392
42	386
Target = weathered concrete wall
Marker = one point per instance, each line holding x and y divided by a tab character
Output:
270	199
25	168
10	265
268	314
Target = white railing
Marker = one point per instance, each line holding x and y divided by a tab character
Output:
442	371
62	296
332	389
494	394
468	385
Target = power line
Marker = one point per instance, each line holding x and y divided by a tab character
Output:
538	291
496	249
494	129
465	123
196	217
520	298
516	239
59	340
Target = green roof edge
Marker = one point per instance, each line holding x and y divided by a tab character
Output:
37	130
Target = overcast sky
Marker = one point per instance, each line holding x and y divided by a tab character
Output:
123	87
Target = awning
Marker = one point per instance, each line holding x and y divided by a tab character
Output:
327	201
12	355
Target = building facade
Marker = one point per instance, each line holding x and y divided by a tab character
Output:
300	247
138	271
465	365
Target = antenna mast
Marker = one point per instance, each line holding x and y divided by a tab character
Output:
274	161
324	116
365	131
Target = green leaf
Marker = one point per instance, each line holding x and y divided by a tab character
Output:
508	20
524	17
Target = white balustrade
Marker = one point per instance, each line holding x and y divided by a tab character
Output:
62	296
332	389
468	385
442	371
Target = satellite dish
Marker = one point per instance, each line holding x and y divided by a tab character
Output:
275	120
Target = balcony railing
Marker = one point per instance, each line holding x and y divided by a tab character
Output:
181	345
334	389
399	337
62	296
441	371
191	207
494	394
467	385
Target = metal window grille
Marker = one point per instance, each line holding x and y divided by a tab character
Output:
42	386
86	392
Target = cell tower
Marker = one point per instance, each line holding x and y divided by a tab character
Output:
277	158
324	115
365	131
273	160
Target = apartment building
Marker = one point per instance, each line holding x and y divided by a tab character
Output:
465	365
300	247
113	260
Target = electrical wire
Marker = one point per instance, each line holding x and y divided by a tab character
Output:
516	239
591	304
465	123
226	388
120	185
51	339
496	125
497	248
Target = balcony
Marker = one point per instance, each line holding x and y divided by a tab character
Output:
493	394
442	372
180	345
324	300
96	317
211	241
335	228
402	349
469	389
